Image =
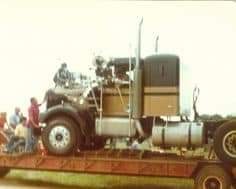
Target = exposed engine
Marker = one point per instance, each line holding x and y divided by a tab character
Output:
78	89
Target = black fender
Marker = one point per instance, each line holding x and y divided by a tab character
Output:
69	111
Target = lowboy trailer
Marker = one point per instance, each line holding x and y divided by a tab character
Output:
207	173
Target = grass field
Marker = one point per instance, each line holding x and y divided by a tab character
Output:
88	181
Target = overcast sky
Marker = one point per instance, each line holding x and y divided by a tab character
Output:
36	36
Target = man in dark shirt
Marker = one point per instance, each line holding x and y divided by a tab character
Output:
33	123
62	76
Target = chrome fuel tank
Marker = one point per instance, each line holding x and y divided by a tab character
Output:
115	127
179	134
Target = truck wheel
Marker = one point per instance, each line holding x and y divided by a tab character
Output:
4	172
212	177
225	142
61	137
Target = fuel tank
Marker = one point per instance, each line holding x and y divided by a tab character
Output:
115	127
179	134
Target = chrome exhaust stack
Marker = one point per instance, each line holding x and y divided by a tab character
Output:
137	85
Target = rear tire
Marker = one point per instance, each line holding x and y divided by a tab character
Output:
212	177
225	142
61	136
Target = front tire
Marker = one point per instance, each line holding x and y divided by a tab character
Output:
212	177
61	136
225	142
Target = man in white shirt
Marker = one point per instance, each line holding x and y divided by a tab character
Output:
15	118
19	137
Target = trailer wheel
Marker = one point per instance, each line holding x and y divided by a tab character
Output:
225	142
212	177
4	172
61	137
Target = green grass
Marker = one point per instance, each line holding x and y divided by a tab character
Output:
88	181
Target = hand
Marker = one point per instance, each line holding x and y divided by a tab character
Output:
36	126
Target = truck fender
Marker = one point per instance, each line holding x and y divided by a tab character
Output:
65	110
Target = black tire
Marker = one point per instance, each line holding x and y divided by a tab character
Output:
70	128
4	172
225	142
212	177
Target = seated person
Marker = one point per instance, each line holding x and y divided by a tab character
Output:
19	136
62	76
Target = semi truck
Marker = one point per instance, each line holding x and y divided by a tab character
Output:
131	98
134	98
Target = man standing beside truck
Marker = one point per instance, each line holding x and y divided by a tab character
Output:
32	125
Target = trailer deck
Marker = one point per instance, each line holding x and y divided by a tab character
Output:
208	174
110	162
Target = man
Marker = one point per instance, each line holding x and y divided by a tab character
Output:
62	76
32	125
15	118
19	137
13	121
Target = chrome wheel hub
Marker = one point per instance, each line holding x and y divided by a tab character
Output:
229	144
59	137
